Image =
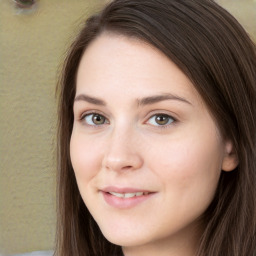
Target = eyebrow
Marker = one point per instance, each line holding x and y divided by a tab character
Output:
157	98
141	102
90	99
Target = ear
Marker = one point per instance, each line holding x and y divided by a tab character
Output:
230	160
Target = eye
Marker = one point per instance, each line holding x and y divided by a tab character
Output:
94	119
161	120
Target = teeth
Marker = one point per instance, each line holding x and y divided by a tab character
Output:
116	194
128	195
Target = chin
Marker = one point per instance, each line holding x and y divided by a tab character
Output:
124	238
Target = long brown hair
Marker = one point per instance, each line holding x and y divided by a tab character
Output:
217	55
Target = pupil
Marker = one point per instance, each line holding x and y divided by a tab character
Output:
97	119
162	119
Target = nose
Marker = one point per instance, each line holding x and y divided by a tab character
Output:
122	152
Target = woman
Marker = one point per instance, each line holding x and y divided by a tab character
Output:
157	133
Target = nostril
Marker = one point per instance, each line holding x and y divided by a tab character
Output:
127	167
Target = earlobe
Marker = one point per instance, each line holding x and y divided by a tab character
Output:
230	160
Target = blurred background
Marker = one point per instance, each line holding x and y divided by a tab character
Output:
33	41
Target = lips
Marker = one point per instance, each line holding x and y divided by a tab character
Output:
125	197
128	195
125	192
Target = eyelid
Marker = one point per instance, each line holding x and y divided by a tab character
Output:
149	116
88	112
162	112
159	113
91	112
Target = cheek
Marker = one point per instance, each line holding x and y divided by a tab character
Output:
189	166
85	157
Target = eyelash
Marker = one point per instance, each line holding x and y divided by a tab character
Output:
174	120
171	120
83	116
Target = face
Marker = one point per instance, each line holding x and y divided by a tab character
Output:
146	153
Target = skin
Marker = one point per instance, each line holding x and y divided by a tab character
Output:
180	161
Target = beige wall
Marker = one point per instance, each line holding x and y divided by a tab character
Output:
31	48
244	11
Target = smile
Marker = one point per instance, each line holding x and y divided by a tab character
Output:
125	198
128	195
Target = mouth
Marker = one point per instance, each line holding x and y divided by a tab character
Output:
124	198
128	195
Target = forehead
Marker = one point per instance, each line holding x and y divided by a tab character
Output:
116	64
